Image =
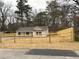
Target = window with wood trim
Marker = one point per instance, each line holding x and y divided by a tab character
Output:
19	33
38	33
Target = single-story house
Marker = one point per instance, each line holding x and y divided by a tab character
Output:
38	31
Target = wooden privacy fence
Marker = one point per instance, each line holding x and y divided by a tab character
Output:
65	35
23	39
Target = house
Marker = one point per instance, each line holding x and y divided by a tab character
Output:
38	31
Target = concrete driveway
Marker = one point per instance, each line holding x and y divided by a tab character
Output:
38	54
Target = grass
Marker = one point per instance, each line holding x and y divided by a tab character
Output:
7	34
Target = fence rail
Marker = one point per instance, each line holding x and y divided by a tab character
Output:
61	36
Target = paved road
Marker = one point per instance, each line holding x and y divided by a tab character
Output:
38	54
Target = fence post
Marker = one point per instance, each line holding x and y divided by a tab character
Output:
0	39
14	40
49	38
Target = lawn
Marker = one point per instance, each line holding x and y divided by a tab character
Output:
7	34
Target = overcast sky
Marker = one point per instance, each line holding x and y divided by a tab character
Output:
35	4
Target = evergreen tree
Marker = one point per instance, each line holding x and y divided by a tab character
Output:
23	11
41	19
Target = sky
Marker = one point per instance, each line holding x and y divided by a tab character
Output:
35	4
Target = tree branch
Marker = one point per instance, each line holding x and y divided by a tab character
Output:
77	2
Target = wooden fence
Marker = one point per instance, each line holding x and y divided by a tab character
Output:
60	36
66	35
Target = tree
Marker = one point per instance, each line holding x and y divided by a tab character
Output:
65	11
73	10
23	12
77	1
12	27
41	19
54	11
4	11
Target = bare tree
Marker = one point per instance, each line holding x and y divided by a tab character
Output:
77	1
4	11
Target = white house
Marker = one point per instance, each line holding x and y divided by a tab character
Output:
38	31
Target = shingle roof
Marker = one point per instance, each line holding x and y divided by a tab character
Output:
31	29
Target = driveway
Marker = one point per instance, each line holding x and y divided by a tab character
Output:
38	54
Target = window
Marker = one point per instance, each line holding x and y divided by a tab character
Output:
23	32
19	33
38	33
27	33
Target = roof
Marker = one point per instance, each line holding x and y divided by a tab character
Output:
31	29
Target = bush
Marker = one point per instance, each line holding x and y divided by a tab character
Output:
76	38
